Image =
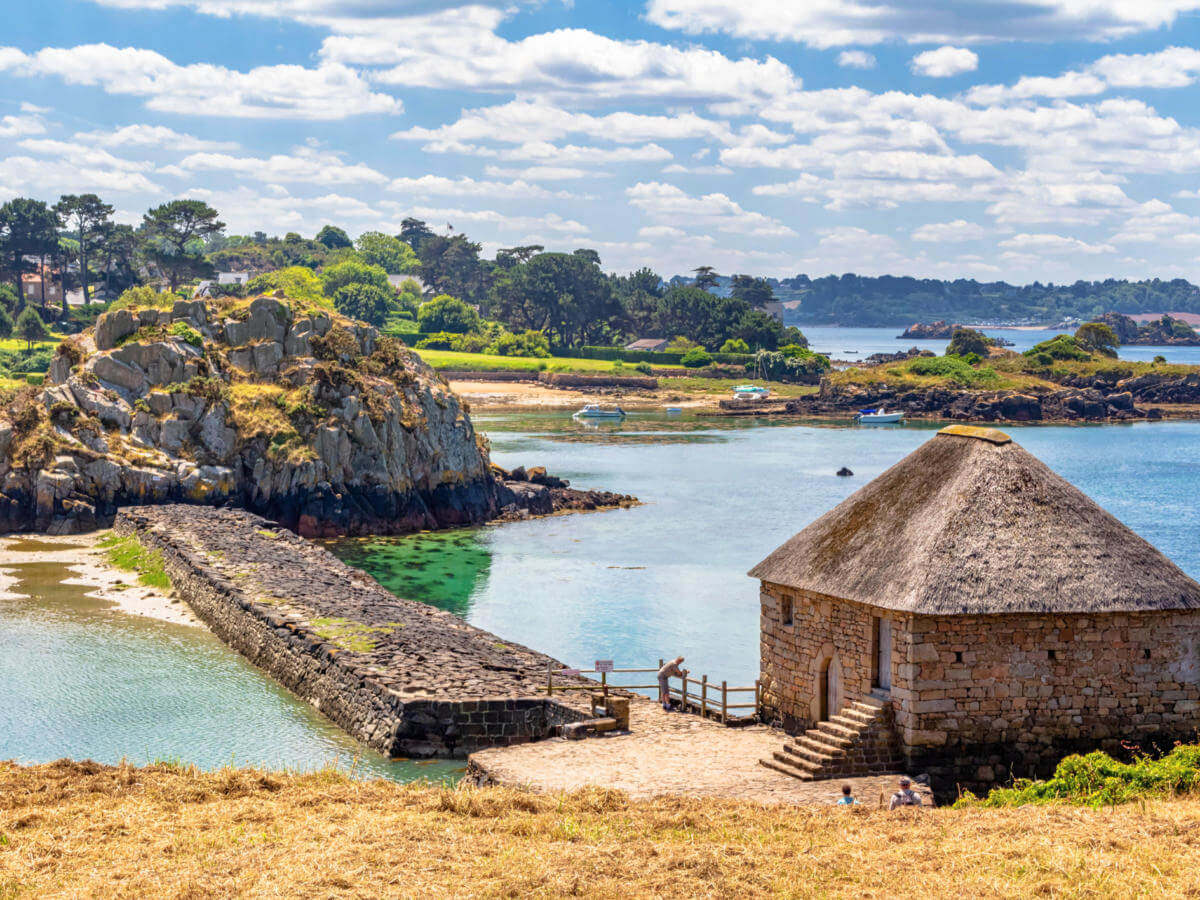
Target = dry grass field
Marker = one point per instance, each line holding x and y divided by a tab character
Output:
84	830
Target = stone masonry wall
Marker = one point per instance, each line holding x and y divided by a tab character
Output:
402	677
983	698
791	656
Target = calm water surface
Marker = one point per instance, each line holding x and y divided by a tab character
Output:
669	577
82	680
849	343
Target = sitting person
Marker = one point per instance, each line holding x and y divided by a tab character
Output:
906	796
847	796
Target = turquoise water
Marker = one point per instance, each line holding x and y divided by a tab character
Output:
849	343
84	681
668	577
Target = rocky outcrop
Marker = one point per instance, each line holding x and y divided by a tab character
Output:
880	359
928	331
288	410
523	494
1164	331
1068	404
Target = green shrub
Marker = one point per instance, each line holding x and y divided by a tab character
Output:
967	340
296	282
6	323
1061	346
30	328
446	313
696	358
735	345
1099	780
189	334
144	296
644	368
353	271
365	302
37	380
442	340
955	369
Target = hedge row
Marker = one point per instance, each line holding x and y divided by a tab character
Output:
635	356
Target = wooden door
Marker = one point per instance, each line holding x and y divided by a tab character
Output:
884	651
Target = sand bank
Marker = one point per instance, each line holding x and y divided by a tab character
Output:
89	567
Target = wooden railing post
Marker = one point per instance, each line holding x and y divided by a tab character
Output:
604	684
703	696
683	692
724	703
757	698
549	680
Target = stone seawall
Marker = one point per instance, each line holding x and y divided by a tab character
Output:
401	676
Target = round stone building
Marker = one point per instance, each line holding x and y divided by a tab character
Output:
972	615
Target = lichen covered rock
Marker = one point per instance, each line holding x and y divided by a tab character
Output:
295	413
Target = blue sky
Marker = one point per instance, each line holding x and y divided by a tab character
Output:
1002	139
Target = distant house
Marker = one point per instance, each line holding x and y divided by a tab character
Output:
773	308
31	286
654	345
233	277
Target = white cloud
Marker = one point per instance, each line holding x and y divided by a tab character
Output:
544	173
945	62
856	59
660	231
428	185
665	201
555	154
677	169
20	126
330	91
151	136
304	164
60	174
941	232
831	23
1054	244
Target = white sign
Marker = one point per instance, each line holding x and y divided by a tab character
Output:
569	672
604	665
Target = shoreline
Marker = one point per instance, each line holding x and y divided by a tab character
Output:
88	568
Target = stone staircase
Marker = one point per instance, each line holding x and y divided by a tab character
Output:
859	740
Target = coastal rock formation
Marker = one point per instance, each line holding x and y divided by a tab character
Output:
929	331
287	409
1068	404
1164	331
881	359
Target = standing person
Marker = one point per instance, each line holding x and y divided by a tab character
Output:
906	796
667	672
847	796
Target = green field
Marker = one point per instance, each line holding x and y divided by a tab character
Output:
452	360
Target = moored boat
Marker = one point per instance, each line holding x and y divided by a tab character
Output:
596	411
877	417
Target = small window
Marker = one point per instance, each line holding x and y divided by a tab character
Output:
1050	654
785	610
958	656
1146	653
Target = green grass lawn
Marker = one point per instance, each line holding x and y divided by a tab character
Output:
451	360
18	344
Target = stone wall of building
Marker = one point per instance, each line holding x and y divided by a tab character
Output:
402	677
822	630
983	698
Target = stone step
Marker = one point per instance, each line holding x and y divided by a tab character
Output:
859	717
850	724
835	743
838	730
812	752
786	769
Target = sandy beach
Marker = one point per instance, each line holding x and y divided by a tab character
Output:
89	568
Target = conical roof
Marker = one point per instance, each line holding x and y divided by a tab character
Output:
972	523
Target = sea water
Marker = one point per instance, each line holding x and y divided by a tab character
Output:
81	679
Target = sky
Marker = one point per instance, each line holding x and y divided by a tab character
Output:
997	139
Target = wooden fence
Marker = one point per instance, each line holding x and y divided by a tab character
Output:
697	695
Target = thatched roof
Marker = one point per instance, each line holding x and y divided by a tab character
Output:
972	523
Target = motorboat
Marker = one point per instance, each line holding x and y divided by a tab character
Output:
674	410
596	411
877	417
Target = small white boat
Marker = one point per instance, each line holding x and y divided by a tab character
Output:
877	417
596	411
674	410
750	392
